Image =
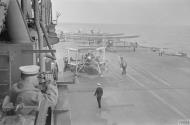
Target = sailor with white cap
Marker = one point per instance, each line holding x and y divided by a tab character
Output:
20	90
99	84
29	75
30	69
26	91
98	93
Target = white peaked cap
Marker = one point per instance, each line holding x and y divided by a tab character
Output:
99	84
29	69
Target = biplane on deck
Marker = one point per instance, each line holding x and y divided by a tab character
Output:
90	60
110	41
111	44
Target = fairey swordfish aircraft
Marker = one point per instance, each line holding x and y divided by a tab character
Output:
90	60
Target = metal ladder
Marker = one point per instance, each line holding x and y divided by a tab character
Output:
5	69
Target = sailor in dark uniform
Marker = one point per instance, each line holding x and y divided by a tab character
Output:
98	93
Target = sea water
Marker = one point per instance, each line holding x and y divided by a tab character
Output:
172	37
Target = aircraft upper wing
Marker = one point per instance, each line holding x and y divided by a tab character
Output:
99	37
121	37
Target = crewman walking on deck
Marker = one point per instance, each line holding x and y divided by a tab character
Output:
123	65
66	61
98	93
54	69
161	51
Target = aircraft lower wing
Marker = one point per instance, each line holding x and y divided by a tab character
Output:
95	34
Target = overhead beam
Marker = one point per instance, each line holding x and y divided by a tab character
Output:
38	51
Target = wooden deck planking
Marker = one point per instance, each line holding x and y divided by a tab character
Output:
130	92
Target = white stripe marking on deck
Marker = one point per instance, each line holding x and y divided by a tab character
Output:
70	117
159	98
154	76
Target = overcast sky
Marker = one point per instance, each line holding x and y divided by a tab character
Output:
154	12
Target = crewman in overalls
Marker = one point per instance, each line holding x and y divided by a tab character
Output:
123	65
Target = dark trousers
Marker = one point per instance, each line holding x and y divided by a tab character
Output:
160	54
99	101
124	71
65	67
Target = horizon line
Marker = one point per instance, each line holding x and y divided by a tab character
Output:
96	23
